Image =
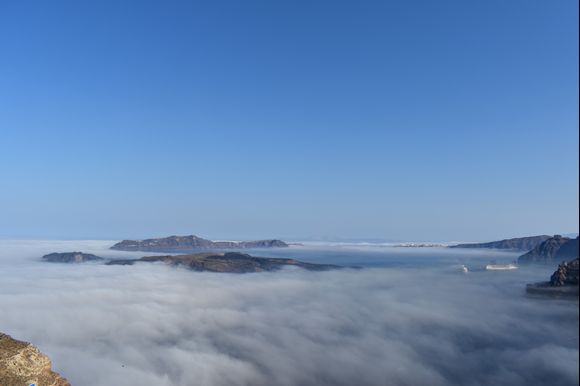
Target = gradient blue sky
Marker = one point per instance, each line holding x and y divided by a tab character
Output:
402	120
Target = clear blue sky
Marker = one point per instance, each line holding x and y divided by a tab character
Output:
413	120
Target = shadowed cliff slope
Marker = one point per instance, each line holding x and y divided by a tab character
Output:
554	249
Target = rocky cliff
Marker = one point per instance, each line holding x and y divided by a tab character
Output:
519	243
227	262
191	243
566	274
563	282
70	257
554	249
22	364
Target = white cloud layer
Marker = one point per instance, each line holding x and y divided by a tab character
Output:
156	325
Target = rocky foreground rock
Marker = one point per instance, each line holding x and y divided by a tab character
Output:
555	249
519	243
564	281
22	364
70	257
234	262
191	243
566	274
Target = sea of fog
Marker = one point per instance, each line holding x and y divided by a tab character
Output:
408	317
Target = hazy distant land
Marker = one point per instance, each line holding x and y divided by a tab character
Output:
518	243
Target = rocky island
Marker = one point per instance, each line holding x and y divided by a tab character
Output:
518	243
233	262
70	257
22	364
555	249
564	281
192	243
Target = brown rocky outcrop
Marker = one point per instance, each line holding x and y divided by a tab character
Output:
566	274
563	282
22	364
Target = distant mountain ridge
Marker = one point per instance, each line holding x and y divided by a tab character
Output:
518	243
554	249
190	243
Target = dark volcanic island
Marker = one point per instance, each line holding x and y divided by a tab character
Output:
234	262
192	243
70	257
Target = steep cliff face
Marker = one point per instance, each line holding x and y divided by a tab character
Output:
22	364
555	249
566	274
563	282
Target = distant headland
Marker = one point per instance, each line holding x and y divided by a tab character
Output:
518	243
554	249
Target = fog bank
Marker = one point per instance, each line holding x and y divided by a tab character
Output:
157	325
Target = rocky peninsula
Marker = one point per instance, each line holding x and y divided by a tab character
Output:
22	364
192	243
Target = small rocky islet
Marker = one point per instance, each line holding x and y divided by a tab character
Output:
71	257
